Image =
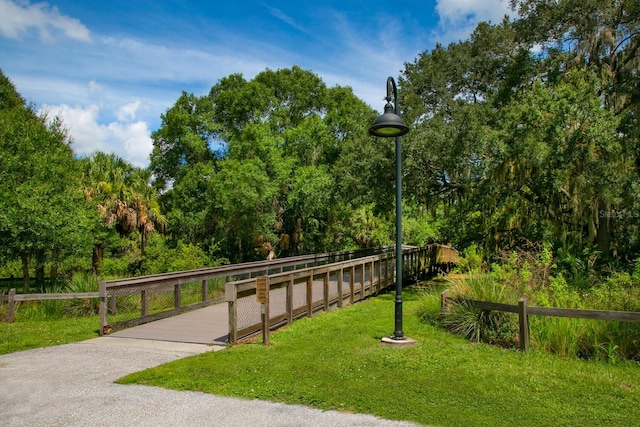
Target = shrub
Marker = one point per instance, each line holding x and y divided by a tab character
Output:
463	318
162	258
81	283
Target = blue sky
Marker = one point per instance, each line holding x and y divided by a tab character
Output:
111	68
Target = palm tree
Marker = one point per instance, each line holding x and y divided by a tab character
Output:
124	198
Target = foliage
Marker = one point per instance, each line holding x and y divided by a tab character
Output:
536	274
525	132
286	179
493	327
124	200
80	283
160	258
42	216
520	147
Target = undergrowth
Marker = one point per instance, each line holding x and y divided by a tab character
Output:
535	274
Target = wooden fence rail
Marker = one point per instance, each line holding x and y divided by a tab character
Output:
524	310
11	298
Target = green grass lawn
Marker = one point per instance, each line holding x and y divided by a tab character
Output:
28	334
335	361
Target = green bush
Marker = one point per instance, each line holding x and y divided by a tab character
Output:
534	274
463	318
162	259
82	307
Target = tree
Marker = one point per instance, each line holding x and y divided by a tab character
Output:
42	214
184	138
513	146
278	130
124	200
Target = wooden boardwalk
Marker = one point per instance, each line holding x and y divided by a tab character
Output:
209	325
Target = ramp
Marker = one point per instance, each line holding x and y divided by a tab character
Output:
209	325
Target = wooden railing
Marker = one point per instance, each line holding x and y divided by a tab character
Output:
145	287
524	311
364	272
295	294
12	297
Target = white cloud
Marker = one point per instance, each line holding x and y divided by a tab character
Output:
458	18
461	11
128	111
277	13
128	139
17	18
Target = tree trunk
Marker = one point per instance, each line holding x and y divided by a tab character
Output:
25	274
603	236
40	259
55	256
96	259
143	242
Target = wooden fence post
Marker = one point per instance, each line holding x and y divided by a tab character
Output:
443	301
102	309
177	296
325	290
11	315
524	323
289	301
205	290
310	295
144	302
352	284
340	290
231	296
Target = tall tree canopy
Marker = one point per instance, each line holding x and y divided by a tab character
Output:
251	164
527	131
42	214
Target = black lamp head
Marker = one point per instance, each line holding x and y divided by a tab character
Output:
389	124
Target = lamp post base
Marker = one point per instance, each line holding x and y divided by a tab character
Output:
398	343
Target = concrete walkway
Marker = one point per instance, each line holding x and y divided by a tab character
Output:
73	385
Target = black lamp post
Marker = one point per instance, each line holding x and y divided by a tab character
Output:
390	125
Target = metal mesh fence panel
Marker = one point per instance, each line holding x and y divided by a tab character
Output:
248	312
358	285
333	285
278	302
299	294
131	305
317	289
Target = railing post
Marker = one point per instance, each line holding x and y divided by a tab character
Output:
325	290
352	284
231	296
144	302
371	289
340	291
205	290
102	308
524	323
289	302
177	296
310	294
11	303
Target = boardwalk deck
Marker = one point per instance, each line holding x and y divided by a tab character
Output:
208	325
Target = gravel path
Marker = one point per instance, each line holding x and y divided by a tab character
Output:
73	385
